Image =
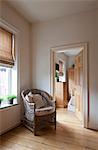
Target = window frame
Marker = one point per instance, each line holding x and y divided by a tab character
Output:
10	28
8	87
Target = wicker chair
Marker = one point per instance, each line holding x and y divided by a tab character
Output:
37	118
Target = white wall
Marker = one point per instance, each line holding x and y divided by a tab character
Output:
61	56
71	61
10	117
70	29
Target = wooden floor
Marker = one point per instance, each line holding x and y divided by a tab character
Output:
69	136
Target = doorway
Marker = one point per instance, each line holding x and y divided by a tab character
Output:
61	79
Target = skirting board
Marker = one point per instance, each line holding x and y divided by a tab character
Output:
8	129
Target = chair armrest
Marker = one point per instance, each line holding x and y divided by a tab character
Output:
32	105
53	103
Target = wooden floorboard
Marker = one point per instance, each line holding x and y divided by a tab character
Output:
70	135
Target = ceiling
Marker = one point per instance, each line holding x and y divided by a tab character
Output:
73	51
45	10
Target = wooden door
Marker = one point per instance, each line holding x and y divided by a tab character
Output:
79	84
61	94
71	83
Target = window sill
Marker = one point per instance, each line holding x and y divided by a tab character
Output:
7	106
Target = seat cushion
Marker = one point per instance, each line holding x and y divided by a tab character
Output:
28	99
44	111
37	99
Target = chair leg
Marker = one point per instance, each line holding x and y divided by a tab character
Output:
35	126
55	120
35	132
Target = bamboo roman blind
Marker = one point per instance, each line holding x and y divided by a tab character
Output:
6	47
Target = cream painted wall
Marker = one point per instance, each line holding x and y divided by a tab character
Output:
70	29
11	117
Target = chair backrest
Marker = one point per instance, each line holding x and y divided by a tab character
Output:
24	93
44	94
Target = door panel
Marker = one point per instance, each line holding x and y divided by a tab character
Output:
79	84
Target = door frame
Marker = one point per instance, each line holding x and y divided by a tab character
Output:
84	47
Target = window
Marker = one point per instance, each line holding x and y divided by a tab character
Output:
8	70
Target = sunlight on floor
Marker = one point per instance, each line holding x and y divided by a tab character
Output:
65	116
